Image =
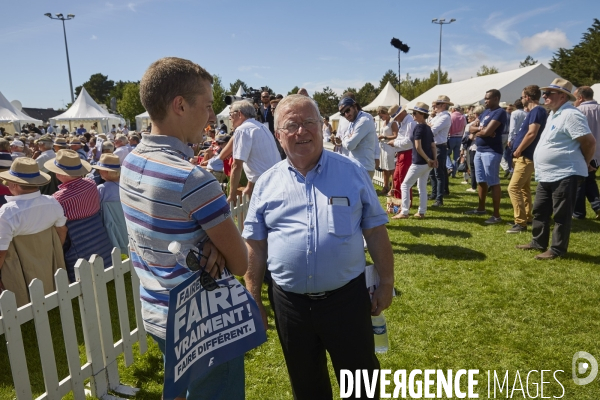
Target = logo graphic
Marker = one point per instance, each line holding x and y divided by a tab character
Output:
583	367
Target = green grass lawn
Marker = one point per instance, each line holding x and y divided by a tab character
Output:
467	300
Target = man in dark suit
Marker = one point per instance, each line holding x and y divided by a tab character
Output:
265	110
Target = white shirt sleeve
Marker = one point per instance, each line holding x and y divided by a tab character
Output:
242	144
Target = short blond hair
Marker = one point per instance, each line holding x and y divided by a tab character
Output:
382	109
168	78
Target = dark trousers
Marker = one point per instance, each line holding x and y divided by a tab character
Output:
587	189
558	199
439	175
508	157
339	325
472	168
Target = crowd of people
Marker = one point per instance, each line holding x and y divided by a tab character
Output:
433	144
311	211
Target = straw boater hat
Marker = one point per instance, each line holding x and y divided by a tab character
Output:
394	110
67	162
44	138
562	85
25	171
75	141
59	141
444	99
108	162
420	107
102	136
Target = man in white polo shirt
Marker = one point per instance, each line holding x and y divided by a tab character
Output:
254	148
562	160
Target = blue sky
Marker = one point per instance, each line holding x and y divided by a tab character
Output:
276	43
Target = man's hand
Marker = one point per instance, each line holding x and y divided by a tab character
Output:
391	142
431	163
232	198
517	153
435	163
212	260
591	168
382	299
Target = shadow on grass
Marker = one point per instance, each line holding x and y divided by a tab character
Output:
441	251
588	258
418	231
585	225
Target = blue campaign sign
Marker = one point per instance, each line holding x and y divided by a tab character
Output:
207	328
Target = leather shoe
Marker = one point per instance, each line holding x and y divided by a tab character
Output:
547	255
430	197
437	204
527	246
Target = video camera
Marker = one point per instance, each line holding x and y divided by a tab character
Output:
251	93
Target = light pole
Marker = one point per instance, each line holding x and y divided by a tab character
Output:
402	48
441	22
63	19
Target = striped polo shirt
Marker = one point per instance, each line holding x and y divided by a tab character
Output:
165	198
79	198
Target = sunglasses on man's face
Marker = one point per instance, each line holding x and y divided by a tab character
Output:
548	93
345	110
208	282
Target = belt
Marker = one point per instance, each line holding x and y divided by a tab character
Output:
441	145
324	295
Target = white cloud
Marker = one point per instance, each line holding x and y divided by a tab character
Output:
94	37
422	56
131	6
551	40
505	30
233	35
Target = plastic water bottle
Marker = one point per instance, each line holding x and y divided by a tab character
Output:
181	251
382	343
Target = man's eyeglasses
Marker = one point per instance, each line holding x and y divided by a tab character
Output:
548	93
345	110
208	282
293	127
231	114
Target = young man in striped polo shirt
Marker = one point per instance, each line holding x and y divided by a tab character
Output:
166	198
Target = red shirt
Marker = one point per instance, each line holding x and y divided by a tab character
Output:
79	198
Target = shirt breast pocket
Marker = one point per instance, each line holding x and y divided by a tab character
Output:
339	220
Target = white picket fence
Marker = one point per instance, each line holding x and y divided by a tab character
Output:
101	350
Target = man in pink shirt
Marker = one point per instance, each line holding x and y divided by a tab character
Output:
455	135
589	188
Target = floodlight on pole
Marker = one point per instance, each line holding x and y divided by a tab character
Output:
441	22
402	48
63	19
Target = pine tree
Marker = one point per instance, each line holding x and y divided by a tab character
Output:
327	101
580	64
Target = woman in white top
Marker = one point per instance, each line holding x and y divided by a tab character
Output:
326	129
387	159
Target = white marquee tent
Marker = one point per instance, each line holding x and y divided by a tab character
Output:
386	98
86	111
142	121
596	88
472	91
12	118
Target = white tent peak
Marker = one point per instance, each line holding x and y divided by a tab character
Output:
240	92
84	108
11	115
596	88
386	98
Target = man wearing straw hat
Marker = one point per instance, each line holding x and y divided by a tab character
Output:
29	247
109	168
76	145
77	195
562	160
440	126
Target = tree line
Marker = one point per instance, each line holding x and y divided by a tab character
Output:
579	64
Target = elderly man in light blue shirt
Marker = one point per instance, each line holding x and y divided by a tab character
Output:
561	159
306	222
